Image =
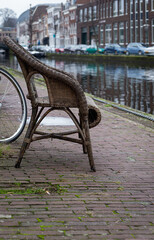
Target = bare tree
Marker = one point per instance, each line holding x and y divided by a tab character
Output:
8	17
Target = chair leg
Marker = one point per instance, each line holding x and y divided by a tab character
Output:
89	147
27	139
83	144
22	151
84	149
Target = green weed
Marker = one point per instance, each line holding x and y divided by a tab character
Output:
22	191
57	188
78	195
39	220
41	236
18	184
107	105
5	150
115	212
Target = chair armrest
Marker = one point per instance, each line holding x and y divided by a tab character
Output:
94	113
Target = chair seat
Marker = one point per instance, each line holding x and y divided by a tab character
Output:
43	101
94	114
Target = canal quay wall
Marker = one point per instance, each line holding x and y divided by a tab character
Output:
54	195
119	59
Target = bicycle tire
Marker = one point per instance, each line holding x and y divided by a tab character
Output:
13	108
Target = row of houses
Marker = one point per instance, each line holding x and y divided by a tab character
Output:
54	24
88	22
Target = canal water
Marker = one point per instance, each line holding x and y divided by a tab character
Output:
120	83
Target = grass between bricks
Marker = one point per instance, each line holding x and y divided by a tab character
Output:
53	188
5	150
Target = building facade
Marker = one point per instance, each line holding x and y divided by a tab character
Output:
32	26
69	22
73	24
54	19
23	28
116	21
96	22
39	25
7	31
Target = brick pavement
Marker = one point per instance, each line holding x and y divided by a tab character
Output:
116	202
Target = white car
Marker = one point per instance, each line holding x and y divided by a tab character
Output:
24	46
149	51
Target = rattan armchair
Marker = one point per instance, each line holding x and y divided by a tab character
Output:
64	94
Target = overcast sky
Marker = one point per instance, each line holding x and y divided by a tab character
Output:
19	6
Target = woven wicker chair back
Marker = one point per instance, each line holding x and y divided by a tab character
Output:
63	89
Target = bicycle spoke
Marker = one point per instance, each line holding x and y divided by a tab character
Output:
12	109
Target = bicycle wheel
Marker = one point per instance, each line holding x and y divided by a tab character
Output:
13	108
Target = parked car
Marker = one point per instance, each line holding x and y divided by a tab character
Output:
114	49
24	46
149	51
37	54
2	51
59	50
70	49
93	49
81	49
135	48
41	48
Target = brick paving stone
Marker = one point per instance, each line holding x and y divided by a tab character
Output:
116	202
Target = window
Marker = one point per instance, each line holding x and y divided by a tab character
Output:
115	8
131	32
131	21
136	6
141	6
126	6
141	20
85	15
131	6
115	33
94	12
126	32
81	15
141	9
102	34
108	37
136	21
146	36
110	9
152	31
106	9
136	31
146	22
121	33
146	8
90	13
152	5
141	30
103	10
121	7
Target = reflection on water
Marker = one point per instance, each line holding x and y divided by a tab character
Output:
122	84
